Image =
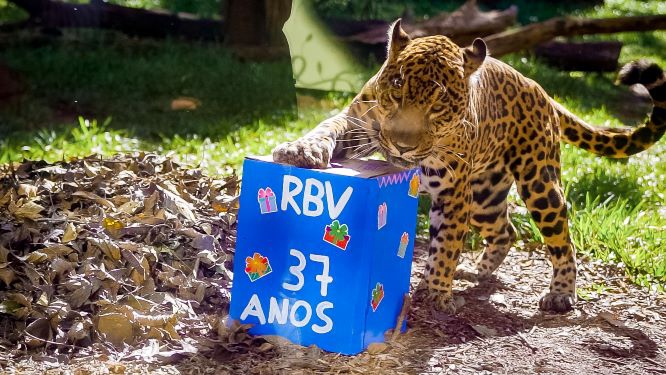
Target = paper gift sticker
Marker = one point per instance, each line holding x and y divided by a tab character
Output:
257	267
377	296
404	241
382	211
337	235
414	185
267	201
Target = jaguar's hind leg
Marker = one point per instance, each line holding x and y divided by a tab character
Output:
544	198
490	215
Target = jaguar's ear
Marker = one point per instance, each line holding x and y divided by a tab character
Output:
397	39
474	55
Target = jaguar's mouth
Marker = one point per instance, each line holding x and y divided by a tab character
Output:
400	162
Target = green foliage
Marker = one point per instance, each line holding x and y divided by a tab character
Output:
11	13
203	8
528	10
100	75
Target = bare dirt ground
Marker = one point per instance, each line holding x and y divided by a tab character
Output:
498	329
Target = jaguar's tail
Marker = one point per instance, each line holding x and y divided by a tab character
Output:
622	142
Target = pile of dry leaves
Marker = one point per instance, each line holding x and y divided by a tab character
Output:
125	254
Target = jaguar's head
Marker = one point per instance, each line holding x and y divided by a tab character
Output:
422	93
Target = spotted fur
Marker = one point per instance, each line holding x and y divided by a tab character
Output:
476	127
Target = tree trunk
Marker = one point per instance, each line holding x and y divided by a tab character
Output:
537	33
584	57
253	28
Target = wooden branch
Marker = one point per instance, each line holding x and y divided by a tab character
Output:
462	25
531	35
466	23
582	57
132	21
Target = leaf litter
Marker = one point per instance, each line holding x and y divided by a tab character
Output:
128	253
123	265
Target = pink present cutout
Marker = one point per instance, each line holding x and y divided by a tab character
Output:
267	201
382	212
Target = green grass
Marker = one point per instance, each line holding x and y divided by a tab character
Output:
104	93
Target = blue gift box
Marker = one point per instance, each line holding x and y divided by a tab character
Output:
328	261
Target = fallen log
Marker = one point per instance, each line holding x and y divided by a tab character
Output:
131	21
462	25
467	23
584	57
531	35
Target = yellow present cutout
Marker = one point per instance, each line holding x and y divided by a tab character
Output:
414	185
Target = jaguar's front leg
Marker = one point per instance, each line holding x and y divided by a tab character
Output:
349	134
449	223
313	150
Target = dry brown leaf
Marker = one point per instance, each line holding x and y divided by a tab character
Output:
116	328
204	242
149	204
148	220
92	171
184	103
78	331
43	300
28	210
27	190
60	266
4	252
130	207
484	330
70	233
38	333
611	319
81	290
35	257
377	348
6	197
138	303
95	198
109	248
139	266
56	250
57	310
266	347
499	299
176	204
6	274
116	368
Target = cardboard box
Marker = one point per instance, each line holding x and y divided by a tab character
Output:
324	256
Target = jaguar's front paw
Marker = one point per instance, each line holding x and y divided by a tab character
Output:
306	153
557	302
442	301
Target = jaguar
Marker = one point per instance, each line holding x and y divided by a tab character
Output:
475	126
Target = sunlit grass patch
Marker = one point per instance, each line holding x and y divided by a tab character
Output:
61	143
618	232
